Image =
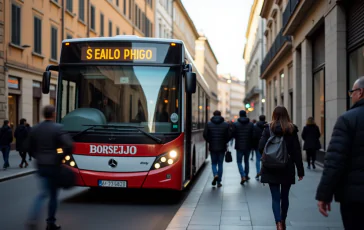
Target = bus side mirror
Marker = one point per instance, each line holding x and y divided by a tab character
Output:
190	82
46	82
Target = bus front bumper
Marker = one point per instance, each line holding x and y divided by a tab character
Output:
165	178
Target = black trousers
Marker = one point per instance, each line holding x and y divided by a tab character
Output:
352	215
23	156
311	156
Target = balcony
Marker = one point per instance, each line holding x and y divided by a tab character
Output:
295	13
290	8
252	93
280	46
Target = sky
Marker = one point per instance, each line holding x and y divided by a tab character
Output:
224	23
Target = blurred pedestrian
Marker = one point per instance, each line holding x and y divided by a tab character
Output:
281	179
258	131
217	133
6	137
29	128
311	136
252	151
343	172
21	133
44	140
243	134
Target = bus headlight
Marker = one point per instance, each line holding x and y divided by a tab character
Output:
166	159
68	160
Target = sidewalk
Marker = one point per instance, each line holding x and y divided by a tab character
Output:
249	207
14	171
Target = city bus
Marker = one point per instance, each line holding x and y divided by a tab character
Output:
135	110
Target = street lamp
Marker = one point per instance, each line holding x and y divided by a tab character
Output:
263	100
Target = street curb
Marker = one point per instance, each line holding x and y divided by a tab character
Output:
17	175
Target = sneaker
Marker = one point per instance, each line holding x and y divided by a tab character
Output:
257	176
313	166
215	180
219	185
309	167
53	227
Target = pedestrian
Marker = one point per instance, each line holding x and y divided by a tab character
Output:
44	140
281	179
21	133
217	133
253	151
243	134
258	131
311	136
343	173
29	128
6	137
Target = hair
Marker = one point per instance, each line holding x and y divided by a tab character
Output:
254	121
6	122
310	121
360	82
262	118
22	121
280	115
48	111
217	113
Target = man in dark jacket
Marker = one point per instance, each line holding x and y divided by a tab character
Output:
44	140
344	164
258	131
243	131
6	137
21	133
217	133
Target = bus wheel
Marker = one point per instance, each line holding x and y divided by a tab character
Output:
194	162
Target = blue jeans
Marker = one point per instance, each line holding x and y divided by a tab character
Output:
280	200
239	160
5	149
48	188
217	161
257	160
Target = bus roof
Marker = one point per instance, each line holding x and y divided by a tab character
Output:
123	38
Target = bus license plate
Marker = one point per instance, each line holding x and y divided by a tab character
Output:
112	183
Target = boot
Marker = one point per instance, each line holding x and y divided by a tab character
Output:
279	226
284	224
243	180
53	227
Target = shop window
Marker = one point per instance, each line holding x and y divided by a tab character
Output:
356	67
37	94
13	106
319	103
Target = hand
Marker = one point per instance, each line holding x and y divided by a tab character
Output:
300	178
324	207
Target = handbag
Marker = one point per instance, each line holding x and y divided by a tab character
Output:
66	177
228	157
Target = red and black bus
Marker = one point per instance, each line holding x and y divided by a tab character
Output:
135	110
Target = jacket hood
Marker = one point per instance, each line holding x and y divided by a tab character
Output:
243	120
279	131
261	124
217	119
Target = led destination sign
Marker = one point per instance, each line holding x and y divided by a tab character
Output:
142	54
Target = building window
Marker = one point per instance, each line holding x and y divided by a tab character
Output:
81	10
124	7
319	103
356	68
93	18
15	24
69	5
117	31
290	76
117	2
37	35
110	28
130	9
69	36
54	43
101	24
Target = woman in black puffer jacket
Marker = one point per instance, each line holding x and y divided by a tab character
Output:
311	135
280	180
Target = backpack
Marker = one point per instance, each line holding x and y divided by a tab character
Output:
275	155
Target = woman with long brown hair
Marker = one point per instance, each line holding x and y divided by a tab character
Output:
281	179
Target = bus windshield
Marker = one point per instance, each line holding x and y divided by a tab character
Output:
142	96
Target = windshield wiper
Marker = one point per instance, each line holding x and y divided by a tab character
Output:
139	128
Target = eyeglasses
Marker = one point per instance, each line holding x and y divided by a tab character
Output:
350	92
